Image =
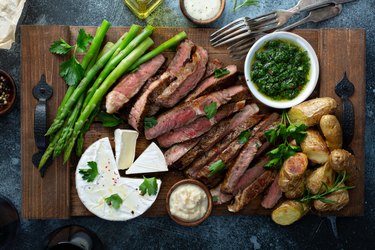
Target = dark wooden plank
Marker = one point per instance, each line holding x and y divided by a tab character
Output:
48	197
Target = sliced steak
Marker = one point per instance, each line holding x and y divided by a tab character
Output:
199	126
130	84
240	165
181	57
273	195
190	111
212	83
250	175
251	192
208	155
218	197
178	150
211	66
187	79
217	133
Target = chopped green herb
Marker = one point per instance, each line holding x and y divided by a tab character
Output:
244	137
221	72
149	185
90	173
60	47
214	198
216	167
114	201
210	110
109	120
150	122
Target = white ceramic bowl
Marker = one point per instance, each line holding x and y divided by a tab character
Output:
310	85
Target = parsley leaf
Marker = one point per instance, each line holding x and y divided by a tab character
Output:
244	137
215	198
150	122
90	173
210	110
83	40
216	167
149	185
221	72
114	201
71	71
60	47
109	120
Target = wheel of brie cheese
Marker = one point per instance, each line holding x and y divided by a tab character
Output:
108	182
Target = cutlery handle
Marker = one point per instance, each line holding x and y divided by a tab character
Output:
348	121
308	5
293	25
40	124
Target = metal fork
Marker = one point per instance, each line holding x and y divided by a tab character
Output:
246	27
239	50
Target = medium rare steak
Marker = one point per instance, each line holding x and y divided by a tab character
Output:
178	150
273	195
212	83
251	192
217	133
219	197
211	66
199	126
190	111
130	84
187	78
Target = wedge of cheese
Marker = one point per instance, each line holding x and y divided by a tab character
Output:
109	182
150	161
125	143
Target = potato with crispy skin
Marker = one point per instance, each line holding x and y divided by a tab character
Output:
341	160
292	172
310	112
289	212
331	129
298	191
339	200
323	174
315	147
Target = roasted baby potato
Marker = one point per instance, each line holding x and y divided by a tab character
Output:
292	172
339	200
298	191
341	160
332	131
320	175
289	212
315	147
310	112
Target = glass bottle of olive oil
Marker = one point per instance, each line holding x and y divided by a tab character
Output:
142	8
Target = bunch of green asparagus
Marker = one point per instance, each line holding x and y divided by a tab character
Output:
102	68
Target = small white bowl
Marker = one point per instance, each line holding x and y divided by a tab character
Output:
310	85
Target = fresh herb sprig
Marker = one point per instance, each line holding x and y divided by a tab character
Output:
109	120
149	185
218	73
71	70
337	186
245	3
285	133
210	110
216	167
114	201
150	122
90	173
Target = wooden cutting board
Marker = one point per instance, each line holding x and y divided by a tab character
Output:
54	196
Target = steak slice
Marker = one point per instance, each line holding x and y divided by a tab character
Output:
190	111
212	83
273	195
187	78
250	175
178	150
240	165
211	66
218	197
208	155
217	133
130	84
199	126
181	57
251	192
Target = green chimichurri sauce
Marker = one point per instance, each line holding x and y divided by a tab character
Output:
280	69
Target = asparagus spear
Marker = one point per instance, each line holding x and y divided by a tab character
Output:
86	127
117	59
121	68
81	88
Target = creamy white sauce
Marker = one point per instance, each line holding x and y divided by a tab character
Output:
202	9
188	202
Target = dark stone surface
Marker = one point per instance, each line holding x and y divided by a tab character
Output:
235	232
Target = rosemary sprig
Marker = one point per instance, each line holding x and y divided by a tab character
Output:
321	196
245	3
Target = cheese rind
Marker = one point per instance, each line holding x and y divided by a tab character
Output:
109	182
125	144
150	161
